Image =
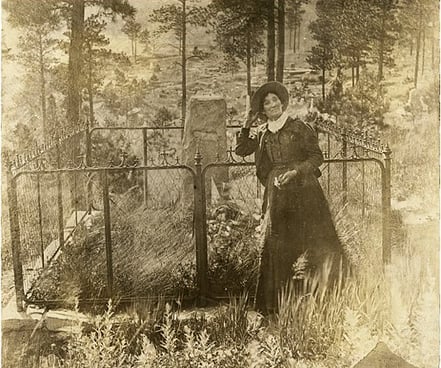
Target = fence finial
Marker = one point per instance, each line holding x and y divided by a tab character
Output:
8	160
163	155
387	151
83	161
197	155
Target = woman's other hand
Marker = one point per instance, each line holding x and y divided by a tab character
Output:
286	177
251	118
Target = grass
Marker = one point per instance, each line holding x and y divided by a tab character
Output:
319	325
149	248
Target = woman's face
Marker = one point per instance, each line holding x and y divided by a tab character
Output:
272	106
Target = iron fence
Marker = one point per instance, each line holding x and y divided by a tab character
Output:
164	193
149	144
39	196
110	239
363	198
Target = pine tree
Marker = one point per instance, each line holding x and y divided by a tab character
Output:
23	12
146	40
238	32
280	40
416	17
356	40
385	32
95	53
294	15
326	32
133	30
176	18
37	47
271	40
75	16
37	44
351	33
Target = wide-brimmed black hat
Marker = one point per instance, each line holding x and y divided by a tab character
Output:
271	87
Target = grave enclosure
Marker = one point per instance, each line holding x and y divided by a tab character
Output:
50	197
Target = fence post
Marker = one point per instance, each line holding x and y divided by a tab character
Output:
88	144
386	207
200	228
15	239
344	176
183	127
75	195
329	166
363	190
60	199
40	220
107	234
145	162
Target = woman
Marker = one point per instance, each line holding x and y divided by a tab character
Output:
297	220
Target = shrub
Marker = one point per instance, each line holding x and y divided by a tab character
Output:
234	251
65	280
361	106
163	116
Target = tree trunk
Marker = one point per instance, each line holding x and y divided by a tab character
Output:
271	42
298	37
423	51
90	91
432	54
42	89
51	116
294	44
418	47
248	64
290	39
357	71
75	62
323	85
339	83
280	40
381	46
353	74
75	67
134	41
184	62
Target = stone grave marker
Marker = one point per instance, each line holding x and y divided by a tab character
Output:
205	129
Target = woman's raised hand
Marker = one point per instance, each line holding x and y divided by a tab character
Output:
251	118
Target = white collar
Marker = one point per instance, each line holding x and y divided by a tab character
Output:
275	125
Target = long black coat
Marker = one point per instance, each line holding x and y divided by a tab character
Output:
308	156
297	217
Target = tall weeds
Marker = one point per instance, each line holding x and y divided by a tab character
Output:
310	318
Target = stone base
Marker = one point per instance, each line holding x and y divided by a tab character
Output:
382	357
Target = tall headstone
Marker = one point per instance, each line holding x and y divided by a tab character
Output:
205	130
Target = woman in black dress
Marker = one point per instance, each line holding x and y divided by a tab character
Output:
297	220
